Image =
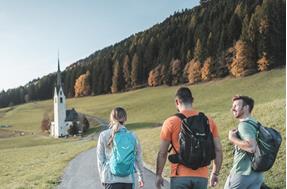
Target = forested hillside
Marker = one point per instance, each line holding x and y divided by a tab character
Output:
213	40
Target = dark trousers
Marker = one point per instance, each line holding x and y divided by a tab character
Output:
119	186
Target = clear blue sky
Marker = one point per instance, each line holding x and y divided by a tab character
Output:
32	31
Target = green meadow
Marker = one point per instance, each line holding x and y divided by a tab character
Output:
36	160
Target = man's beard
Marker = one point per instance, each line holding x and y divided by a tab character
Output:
238	114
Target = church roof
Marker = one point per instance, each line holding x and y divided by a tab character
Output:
72	115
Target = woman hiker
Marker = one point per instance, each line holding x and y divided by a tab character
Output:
119	154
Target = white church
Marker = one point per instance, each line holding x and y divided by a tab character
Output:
63	119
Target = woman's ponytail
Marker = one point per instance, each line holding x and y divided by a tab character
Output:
118	117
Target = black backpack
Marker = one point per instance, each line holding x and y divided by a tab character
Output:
268	141
196	142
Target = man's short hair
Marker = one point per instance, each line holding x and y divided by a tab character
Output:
185	95
246	101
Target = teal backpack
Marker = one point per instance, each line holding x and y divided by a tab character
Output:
123	153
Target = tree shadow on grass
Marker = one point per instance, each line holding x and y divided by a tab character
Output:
142	125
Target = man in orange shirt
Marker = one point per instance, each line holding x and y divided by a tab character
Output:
183	177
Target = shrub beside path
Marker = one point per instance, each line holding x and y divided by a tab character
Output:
82	171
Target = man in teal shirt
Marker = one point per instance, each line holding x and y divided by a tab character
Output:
244	138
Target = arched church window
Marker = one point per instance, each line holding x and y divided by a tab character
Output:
61	100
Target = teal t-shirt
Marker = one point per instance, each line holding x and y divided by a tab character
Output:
241	161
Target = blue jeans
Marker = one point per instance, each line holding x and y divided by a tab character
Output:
188	183
236	181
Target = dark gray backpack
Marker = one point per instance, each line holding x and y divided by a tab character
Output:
196	142
268	141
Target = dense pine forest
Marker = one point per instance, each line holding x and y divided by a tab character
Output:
213	40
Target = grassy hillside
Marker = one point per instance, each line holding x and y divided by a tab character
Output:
33	160
38	166
147	109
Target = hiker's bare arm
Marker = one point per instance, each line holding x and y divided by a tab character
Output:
160	162
213	181
217	162
246	145
219	156
161	156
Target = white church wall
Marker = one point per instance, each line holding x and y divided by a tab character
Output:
58	127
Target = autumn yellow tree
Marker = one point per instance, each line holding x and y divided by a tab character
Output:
185	72
263	63
243	63
82	86
264	46
116	81
157	76
127	72
152	78
208	69
193	71
175	66
135	70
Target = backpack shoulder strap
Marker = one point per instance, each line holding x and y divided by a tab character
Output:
123	129
201	114
256	125
180	115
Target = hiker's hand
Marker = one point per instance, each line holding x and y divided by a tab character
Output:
213	180
158	181
232	133
141	183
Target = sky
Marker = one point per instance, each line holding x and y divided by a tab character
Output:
32	32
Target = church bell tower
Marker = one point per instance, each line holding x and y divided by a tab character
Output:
58	127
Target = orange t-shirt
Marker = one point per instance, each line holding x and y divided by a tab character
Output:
170	132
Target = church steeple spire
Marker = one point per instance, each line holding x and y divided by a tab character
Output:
59	82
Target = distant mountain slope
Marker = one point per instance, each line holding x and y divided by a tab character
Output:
215	39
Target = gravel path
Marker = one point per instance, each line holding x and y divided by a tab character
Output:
82	172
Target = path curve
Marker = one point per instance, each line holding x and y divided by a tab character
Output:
82	172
